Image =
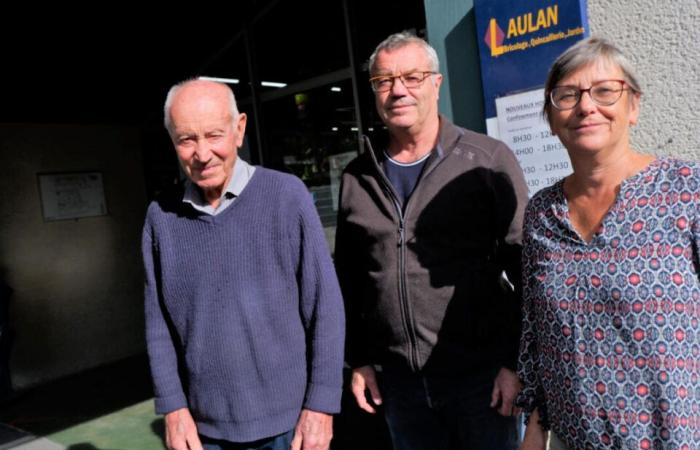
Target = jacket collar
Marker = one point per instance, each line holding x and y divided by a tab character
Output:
448	136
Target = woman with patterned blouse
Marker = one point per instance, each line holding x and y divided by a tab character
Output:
610	350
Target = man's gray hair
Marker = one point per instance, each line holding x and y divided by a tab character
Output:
584	53
400	40
174	90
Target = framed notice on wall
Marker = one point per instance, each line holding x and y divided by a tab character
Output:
71	195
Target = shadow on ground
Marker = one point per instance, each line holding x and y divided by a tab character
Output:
79	398
65	403
85	446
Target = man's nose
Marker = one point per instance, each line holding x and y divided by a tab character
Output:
202	152
398	89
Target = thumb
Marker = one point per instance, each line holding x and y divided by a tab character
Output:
296	440
374	390
195	443
495	395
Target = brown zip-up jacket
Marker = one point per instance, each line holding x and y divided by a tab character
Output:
422	283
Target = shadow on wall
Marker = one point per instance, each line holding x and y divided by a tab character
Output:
464	74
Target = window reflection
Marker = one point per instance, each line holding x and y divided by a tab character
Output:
296	41
313	134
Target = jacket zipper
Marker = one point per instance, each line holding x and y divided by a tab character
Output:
403	290
403	297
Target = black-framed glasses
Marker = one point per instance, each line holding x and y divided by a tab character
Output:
383	83
603	93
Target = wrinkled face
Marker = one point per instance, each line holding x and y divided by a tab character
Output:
401	107
205	136
589	127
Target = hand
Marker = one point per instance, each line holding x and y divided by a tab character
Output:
535	437
314	431
533	442
506	387
181	431
365	379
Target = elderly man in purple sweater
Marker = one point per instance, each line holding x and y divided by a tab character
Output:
244	318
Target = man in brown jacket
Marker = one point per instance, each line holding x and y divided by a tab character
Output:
428	223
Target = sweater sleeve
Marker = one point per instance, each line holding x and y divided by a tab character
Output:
321	311
169	394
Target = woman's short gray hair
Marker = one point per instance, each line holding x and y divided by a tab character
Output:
400	40
174	90
582	54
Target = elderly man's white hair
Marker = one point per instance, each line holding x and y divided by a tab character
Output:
400	40
174	90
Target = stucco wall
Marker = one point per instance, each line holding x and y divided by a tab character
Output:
662	39
77	299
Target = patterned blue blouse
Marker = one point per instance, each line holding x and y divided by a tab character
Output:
610	350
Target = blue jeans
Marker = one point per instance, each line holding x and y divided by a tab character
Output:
426	412
280	442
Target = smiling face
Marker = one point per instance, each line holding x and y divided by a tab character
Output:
402	108
588	127
205	136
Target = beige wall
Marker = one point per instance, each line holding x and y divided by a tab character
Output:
662	39
77	300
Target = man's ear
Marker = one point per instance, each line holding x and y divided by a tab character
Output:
239	128
437	82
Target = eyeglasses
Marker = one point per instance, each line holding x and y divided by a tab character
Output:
603	93
383	83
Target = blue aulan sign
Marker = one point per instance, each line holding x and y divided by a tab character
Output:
519	40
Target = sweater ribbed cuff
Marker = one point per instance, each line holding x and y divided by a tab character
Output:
323	399
171	403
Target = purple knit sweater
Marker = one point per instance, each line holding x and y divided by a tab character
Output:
244	318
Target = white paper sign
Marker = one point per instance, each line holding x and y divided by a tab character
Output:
521	126
72	195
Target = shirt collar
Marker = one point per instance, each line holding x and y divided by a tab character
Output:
242	171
